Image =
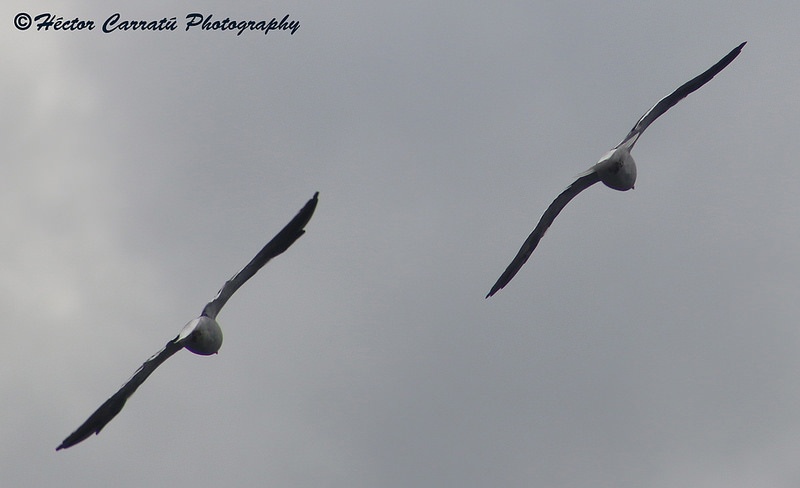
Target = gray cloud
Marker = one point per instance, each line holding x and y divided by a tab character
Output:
650	341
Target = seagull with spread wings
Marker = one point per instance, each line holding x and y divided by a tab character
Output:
202	335
616	169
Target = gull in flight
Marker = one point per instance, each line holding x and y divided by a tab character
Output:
202	335
616	169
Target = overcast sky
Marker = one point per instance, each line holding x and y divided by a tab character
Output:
651	341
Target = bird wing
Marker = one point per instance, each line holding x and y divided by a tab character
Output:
548	217
108	410
667	102
281	242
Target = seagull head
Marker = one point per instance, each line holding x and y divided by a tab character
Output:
202	335
617	169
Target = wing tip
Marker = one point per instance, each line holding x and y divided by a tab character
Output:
72	439
733	54
65	444
69	442
736	51
309	207
499	285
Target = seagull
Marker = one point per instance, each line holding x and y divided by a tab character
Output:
616	169
202	335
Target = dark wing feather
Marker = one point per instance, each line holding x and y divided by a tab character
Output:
667	102
281	242
533	239
108	410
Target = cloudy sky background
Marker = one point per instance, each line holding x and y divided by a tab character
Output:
651	340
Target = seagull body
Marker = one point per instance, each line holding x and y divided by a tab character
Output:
616	169
202	335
